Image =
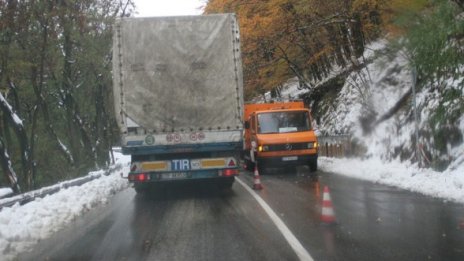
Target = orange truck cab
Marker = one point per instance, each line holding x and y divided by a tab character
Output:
279	134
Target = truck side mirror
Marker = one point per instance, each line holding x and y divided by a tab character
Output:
247	125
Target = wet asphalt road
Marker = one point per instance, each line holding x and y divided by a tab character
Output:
201	222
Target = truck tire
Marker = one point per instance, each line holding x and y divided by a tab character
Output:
313	165
292	170
226	183
140	189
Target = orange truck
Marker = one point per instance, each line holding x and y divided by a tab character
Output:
279	134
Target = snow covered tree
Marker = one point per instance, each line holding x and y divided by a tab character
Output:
55	74
434	41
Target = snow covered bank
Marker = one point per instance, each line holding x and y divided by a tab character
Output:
375	107
5	192
448	185
21	227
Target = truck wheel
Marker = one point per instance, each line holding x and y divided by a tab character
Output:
292	170
313	165
140	189
226	183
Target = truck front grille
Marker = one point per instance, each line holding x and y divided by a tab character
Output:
289	146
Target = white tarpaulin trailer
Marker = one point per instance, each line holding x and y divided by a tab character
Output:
178	74
178	93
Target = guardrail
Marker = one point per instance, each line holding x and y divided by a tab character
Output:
42	192
336	146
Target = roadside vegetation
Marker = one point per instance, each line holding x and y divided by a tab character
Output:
282	39
56	116
55	89
321	44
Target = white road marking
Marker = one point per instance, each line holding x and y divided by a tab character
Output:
291	239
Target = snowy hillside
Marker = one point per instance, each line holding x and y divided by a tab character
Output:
375	108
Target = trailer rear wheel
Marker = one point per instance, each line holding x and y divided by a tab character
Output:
140	189
313	165
226	183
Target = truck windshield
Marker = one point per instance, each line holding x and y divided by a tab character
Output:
282	122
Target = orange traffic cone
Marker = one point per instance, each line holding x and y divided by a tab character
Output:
256	180
328	214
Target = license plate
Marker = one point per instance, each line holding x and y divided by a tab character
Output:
290	158
174	175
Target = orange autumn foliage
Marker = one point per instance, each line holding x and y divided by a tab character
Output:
282	39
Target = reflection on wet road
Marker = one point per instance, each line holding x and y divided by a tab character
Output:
179	222
201	222
374	222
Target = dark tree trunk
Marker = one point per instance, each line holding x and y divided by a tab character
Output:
337	45
66	92
37	75
17	125
460	3
358	36
76	126
7	168
346	44
103	145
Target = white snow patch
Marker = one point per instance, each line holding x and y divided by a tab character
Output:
5	192
447	185
380	86
21	227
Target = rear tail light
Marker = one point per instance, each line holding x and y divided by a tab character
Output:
229	172
140	177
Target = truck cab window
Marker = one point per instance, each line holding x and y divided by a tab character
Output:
282	122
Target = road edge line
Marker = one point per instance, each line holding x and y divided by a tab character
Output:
291	239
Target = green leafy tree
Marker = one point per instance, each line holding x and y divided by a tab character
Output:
56	115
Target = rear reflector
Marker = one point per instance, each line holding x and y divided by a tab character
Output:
231	163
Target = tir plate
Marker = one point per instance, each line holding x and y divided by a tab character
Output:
174	175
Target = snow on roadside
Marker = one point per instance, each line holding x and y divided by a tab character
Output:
21	227
379	87
5	192
448	185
